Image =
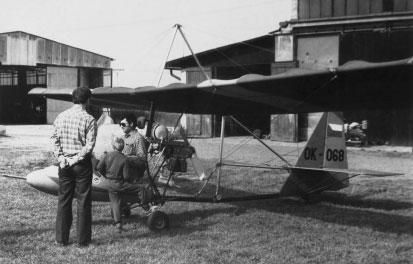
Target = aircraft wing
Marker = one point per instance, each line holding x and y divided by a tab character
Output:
354	85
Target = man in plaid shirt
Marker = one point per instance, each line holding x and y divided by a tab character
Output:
74	139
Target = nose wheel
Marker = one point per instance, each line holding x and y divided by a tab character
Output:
157	221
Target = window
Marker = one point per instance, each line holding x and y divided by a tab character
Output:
283	48
8	78
36	76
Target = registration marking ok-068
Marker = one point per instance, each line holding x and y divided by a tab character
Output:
331	154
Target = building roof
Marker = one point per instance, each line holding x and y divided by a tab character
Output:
224	53
22	48
37	36
261	47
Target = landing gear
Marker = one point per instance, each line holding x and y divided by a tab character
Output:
158	221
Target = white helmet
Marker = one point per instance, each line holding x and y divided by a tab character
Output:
159	132
353	125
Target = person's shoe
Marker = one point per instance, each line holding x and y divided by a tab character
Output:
82	245
119	227
61	244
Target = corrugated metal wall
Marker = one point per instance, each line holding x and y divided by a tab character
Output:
59	77
20	48
315	9
3	49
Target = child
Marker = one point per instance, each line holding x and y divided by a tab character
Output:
113	168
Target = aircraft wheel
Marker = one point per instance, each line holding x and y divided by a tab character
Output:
158	221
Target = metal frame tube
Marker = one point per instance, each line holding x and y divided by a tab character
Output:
179	27
221	150
259	140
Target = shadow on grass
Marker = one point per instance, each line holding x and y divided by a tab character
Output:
178	221
338	208
7	234
331	197
383	222
361	202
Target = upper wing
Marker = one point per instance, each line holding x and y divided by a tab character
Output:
353	85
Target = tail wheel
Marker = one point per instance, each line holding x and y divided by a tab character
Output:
158	221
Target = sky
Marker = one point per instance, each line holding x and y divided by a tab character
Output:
138	34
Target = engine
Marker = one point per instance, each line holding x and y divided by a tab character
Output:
175	151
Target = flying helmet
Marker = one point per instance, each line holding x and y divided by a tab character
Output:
160	132
353	125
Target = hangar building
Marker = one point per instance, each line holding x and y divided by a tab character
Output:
28	61
320	34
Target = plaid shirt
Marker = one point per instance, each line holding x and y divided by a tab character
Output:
135	144
74	133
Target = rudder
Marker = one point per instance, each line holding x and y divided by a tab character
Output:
324	150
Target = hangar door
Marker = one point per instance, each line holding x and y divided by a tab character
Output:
59	77
316	52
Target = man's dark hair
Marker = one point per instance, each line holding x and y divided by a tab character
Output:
140	122
81	95
131	118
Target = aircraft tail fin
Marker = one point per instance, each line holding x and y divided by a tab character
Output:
325	149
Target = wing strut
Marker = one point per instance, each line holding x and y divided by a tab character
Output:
179	27
262	142
221	151
151	119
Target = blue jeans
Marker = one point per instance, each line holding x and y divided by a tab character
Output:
75	181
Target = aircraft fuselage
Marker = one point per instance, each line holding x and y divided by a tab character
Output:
47	180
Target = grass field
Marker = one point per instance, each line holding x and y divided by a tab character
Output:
369	222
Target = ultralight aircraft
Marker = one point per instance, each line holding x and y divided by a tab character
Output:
322	164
